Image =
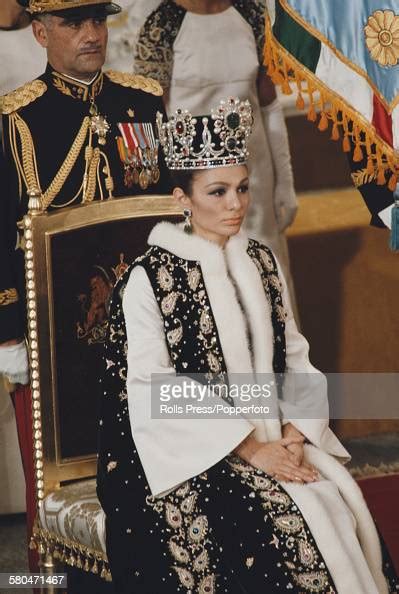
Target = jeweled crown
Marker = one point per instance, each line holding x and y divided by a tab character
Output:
205	142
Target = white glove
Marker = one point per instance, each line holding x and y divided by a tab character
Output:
285	200
14	363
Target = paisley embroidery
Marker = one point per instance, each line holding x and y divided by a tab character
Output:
262	483
165	279
289	524
202	561
267	261
185	576
281	313
173	516
168	303
306	553
213	362
179	553
275	282
193	278
198	529
207	585
313	582
175	336
206	324
277	498
187	506
183	490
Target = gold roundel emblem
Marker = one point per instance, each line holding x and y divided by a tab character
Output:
382	37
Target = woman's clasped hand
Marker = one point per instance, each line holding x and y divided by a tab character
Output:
277	460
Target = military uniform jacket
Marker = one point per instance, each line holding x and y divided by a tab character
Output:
65	139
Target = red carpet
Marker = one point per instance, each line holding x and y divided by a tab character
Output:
382	496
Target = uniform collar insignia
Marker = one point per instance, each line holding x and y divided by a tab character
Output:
76	89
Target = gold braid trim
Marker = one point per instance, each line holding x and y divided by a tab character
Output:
92	176
28	154
347	124
29	168
8	296
135	81
67	165
22	96
44	6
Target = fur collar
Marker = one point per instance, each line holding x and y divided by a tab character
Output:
172	237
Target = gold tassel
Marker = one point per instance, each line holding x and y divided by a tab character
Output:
277	78
312	116
103	573
323	124
86	566
41	549
286	87
358	154
346	145
393	181
300	101
94	569
79	563
108	577
370	165
32	544
381	179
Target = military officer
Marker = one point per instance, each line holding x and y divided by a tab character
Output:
73	135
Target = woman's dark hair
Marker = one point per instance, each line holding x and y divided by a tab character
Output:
183	179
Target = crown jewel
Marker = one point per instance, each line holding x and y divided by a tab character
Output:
205	142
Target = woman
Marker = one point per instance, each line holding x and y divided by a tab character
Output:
224	504
203	50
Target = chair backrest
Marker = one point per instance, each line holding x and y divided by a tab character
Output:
73	258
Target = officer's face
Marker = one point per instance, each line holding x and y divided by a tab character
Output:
74	47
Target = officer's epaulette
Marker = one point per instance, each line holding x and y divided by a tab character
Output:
135	81
22	96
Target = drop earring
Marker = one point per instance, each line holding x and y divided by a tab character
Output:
188	228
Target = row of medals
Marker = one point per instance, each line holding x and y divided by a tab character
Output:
142	166
142	170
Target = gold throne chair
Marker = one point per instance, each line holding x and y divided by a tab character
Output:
73	258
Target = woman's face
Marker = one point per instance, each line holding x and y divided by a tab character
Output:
218	202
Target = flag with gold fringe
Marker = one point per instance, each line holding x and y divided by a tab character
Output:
341	57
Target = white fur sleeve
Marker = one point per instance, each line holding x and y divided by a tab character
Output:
305	400
171	449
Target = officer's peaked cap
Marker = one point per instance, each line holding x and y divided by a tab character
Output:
70	8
